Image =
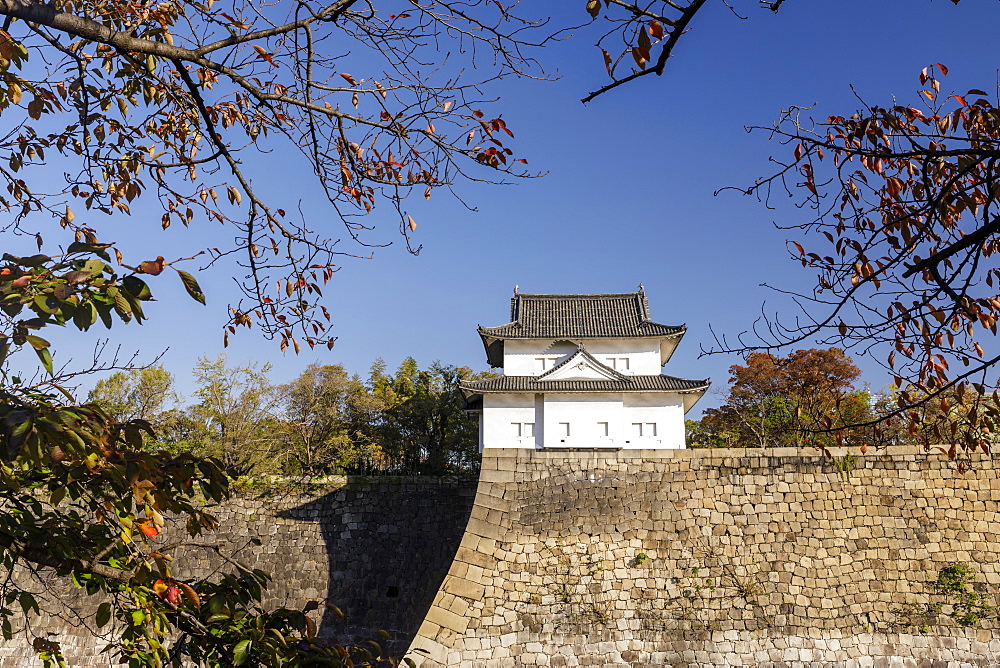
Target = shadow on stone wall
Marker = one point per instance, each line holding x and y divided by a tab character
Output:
389	543
378	548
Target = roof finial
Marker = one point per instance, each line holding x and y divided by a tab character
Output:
641	289
516	288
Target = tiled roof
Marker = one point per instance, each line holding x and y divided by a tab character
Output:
579	316
658	383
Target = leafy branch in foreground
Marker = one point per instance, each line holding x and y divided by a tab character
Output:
182	102
906	198
80	497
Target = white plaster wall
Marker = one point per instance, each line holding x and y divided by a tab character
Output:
519	358
500	411
664	410
583	413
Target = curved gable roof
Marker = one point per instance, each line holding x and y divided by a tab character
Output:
580	316
623	314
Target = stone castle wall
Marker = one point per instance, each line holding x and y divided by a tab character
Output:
377	548
717	558
627	558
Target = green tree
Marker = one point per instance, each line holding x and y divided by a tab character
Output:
314	417
237	408
420	424
135	394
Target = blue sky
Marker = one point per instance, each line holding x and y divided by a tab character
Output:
627	198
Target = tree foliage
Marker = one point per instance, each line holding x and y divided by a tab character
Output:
421	424
81	497
906	198
236	415
172	99
136	394
806	398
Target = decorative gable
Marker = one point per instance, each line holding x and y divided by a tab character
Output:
581	365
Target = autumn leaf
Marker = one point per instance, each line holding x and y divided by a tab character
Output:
152	267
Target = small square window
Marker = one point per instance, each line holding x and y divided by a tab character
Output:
603	430
564	429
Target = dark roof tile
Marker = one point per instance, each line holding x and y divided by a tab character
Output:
580	316
658	383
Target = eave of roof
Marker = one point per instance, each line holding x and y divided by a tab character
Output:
691	390
654	383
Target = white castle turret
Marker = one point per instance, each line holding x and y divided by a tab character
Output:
581	371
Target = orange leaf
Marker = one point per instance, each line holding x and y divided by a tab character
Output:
607	61
152	267
191	595
656	29
640	56
349	79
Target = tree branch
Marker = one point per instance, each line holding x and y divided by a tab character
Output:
43	558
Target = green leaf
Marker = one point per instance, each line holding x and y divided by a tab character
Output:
103	614
85	315
96	249
45	357
137	288
27	602
241	653
105	312
58	494
33	261
192	286
36	342
122	307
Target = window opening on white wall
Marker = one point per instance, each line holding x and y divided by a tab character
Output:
640	429
545	363
523	429
618	363
564	429
603	430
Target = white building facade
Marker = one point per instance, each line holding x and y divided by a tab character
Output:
581	371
